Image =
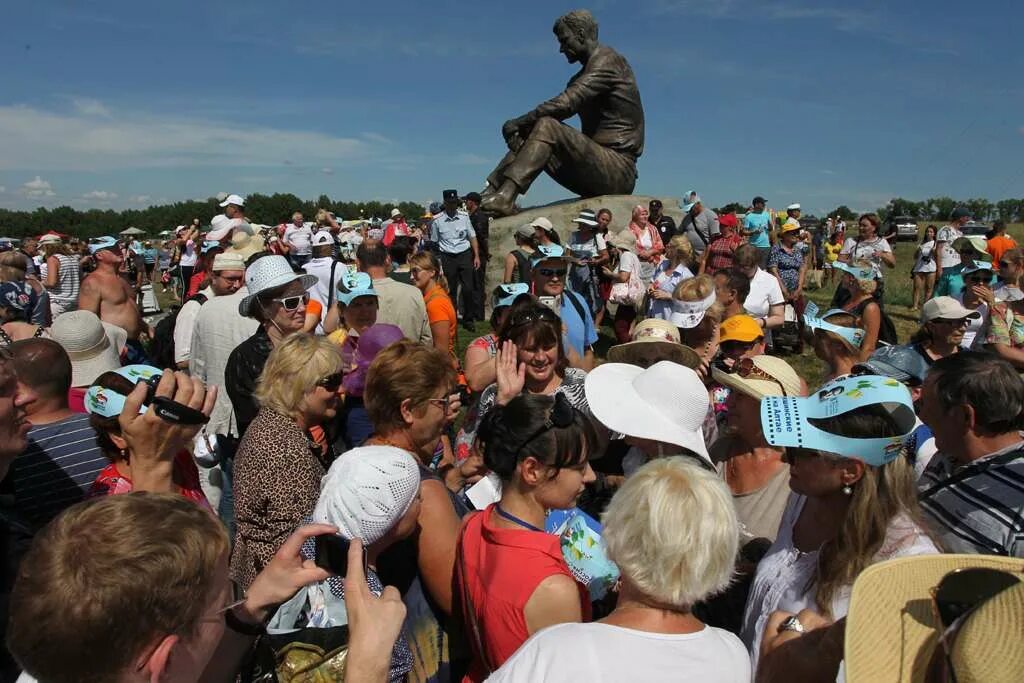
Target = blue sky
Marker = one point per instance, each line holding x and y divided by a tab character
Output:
121	104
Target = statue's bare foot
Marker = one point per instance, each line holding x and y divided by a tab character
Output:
500	202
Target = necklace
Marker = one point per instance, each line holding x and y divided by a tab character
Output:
515	520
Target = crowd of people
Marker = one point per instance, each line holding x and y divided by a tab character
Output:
682	506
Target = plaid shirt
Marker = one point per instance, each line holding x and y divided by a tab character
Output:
721	252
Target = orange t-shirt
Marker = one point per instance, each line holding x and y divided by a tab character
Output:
440	309
997	246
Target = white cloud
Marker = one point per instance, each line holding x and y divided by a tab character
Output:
90	107
2	189
139	198
100	196
327	170
37	138
37	188
470	159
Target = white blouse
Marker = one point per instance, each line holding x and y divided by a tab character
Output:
784	576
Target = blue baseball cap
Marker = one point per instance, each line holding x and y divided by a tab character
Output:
506	295
789	421
354	285
547	251
813	321
900	362
208	245
690	199
106	402
101	243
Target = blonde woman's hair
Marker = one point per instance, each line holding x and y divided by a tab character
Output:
53	248
882	494
427	261
866	286
672	531
293	370
697	289
322	217
684	251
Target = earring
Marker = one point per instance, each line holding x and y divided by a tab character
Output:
847	490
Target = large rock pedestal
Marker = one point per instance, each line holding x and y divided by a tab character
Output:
561	213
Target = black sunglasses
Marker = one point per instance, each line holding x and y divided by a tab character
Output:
553	272
562	415
331	382
958	595
539	314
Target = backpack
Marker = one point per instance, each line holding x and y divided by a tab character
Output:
161	350
523	265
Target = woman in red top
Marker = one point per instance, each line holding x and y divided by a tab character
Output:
720	254
510	574
103	403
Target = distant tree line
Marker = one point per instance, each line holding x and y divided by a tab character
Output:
259	208
934	209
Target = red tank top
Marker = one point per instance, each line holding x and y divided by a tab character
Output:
502	567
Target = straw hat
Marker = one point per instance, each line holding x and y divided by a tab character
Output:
270	272
94	346
770	376
892	633
654	340
665	402
245	245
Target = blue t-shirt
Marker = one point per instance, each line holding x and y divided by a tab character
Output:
580	332
759	222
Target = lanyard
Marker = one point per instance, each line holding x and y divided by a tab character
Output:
515	520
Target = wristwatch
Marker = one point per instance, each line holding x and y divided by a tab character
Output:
792	624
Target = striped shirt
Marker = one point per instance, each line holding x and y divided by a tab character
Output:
57	468
979	507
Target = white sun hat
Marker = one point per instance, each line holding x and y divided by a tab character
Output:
93	346
367	490
666	402
233	199
270	272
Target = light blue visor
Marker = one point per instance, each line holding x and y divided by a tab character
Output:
789	421
109	403
505	295
854	335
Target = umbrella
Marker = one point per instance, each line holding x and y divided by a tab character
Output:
132	231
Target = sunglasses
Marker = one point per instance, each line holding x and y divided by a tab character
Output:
561	416
956	322
553	272
958	595
747	369
290	303
331	382
535	316
1005	264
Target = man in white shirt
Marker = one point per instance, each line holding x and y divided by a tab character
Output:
227	276
328	272
298	236
218	329
947	256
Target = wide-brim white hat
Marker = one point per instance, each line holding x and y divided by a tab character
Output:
665	402
93	346
270	272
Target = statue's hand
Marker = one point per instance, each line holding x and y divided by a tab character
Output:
515	126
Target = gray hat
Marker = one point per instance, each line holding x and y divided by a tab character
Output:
902	363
